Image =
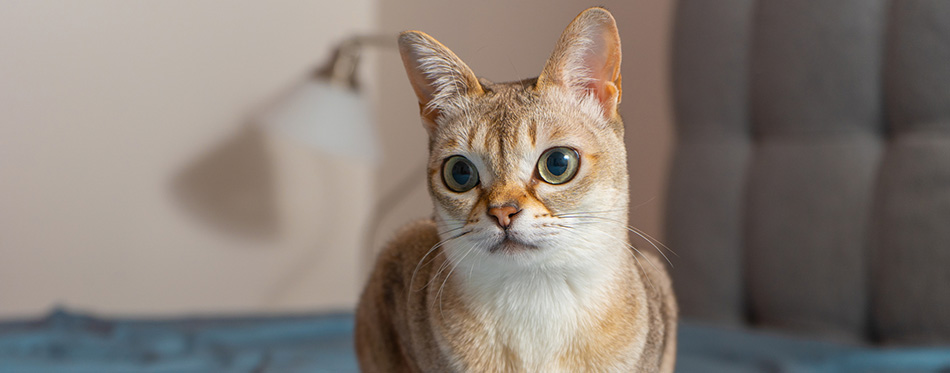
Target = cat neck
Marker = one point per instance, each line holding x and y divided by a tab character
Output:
565	287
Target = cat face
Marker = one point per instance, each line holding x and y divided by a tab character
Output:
530	172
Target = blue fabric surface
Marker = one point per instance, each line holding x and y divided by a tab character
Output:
71	342
68	342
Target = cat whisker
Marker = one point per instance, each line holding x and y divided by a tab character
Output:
584	213
516	73
651	244
632	253
412	279
588	215
471	268
641	204
451	230
629	245
639	232
442	288
445	264
444	224
651	238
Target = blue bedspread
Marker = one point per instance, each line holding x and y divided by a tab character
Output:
70	342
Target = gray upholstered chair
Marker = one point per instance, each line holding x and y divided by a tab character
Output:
810	187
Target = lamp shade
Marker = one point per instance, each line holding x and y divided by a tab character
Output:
331	118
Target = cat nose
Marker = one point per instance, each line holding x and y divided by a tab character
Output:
504	214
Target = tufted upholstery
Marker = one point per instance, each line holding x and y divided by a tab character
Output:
810	186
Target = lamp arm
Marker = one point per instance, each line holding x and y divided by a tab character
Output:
346	57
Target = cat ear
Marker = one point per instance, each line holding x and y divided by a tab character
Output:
586	59
439	77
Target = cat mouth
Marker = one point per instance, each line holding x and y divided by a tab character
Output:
510	245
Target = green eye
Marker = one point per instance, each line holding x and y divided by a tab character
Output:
558	165
459	174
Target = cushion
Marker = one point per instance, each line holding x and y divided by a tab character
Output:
810	185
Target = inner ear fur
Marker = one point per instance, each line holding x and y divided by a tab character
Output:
440	79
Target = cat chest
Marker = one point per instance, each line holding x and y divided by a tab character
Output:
538	341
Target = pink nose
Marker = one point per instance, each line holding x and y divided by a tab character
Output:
504	214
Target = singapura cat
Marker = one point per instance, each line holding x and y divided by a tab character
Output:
526	265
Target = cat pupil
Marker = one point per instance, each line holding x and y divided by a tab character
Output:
557	163
461	172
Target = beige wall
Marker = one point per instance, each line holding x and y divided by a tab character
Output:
128	182
132	180
510	40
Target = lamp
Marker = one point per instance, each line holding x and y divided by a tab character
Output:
325	151
327	111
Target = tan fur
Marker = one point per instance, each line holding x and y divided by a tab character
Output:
561	290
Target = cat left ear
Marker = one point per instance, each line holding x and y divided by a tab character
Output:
441	80
586	59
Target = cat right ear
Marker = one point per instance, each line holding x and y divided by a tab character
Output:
586	59
441	80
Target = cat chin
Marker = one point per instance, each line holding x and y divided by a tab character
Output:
512	246
524	248
516	243
519	254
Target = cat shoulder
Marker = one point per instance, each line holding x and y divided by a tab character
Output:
410	242
383	330
414	236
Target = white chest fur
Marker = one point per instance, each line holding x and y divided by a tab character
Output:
530	316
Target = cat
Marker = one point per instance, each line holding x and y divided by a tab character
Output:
526	265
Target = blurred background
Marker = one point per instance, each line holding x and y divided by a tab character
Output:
140	173
167	159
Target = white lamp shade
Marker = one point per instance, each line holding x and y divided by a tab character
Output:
330	118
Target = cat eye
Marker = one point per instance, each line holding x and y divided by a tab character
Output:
558	165
459	174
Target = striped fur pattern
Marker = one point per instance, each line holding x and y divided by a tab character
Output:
559	290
